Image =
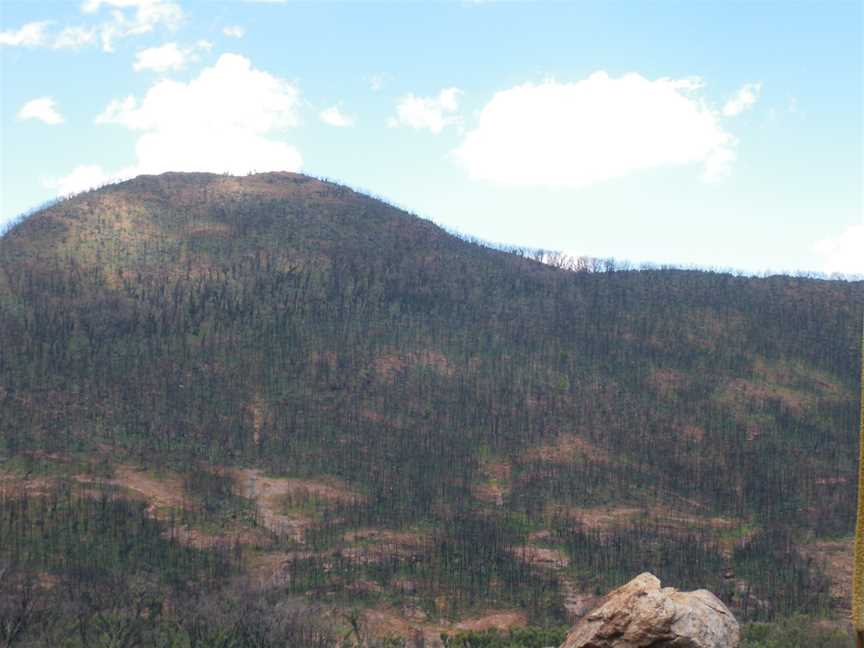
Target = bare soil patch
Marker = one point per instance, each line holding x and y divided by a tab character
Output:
495	621
162	492
17	486
388	366
387	536
667	382
664	519
567	448
542	557
604	518
496	482
835	556
267	491
408	623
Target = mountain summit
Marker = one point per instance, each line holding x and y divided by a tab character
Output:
424	421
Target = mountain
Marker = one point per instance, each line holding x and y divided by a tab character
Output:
280	377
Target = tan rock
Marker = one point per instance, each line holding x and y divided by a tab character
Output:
641	614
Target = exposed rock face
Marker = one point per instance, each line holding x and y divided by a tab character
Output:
642	615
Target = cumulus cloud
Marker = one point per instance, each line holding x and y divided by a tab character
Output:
163	58
124	18
42	109
333	116
430	113
84	177
36	35
234	31
225	120
744	99
32	34
74	37
577	134
133	18
843	254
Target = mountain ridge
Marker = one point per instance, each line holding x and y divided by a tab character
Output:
534	434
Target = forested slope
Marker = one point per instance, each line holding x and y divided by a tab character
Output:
537	432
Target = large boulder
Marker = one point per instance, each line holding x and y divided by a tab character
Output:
641	614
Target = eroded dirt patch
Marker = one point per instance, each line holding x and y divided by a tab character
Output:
409	623
798	388
18	486
495	621
542	557
495	485
388	366
268	494
835	557
567	448
162	493
667	382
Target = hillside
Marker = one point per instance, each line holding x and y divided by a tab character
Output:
279	377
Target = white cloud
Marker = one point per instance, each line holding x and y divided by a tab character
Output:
161	59
226	120
333	116
42	109
376	82
31	34
133	18
234	31
82	178
744	99
843	254
124	18
577	134
430	113
74	37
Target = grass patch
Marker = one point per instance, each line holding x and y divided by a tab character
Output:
794	632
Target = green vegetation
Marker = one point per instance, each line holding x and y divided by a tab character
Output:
216	504
190	321
858	564
515	638
795	632
95	535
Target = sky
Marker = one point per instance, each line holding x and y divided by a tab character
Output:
710	134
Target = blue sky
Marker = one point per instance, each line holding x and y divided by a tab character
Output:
718	134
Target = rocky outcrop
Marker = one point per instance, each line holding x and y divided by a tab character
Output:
641	614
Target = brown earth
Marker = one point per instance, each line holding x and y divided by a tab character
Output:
267	491
388	366
835	556
543	557
18	486
567	448
496	482
388	622
387	536
667	382
496	621
164	492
